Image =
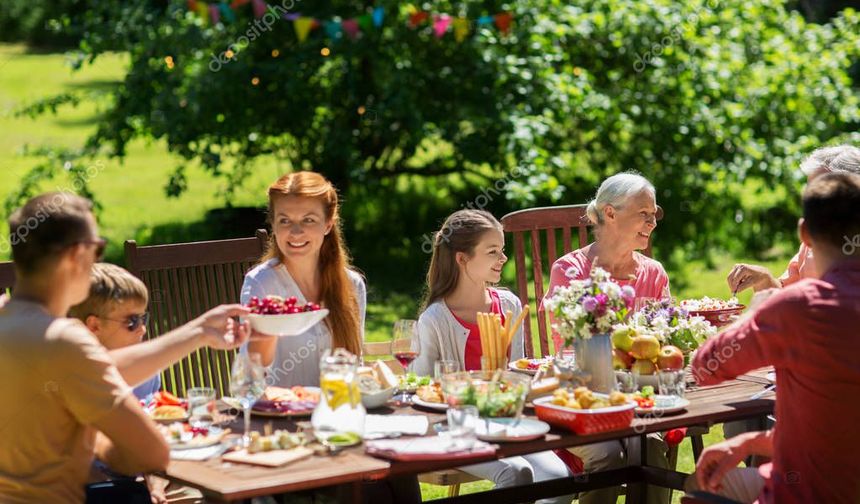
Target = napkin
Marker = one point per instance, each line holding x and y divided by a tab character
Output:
409	425
204	453
425	448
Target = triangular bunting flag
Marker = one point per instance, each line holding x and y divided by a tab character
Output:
259	8
332	29
417	18
441	22
503	21
214	13
350	26
238	3
192	5
303	26
485	20
227	12
461	29
203	12
378	16
365	22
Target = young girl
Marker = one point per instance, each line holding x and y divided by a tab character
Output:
468	255
307	258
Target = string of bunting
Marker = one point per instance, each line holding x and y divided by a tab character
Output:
224	12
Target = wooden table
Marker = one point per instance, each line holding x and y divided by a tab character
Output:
708	405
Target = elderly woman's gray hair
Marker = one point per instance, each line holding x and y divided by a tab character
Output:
615	191
839	158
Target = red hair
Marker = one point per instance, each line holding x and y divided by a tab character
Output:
336	290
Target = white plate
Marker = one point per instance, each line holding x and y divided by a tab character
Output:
287	324
288	414
212	438
771	377
500	429
679	404
513	367
417	401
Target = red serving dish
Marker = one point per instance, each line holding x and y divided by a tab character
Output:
720	318
586	421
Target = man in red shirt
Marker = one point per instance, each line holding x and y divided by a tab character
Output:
810	332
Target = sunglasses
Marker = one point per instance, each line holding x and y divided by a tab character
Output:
132	322
100	244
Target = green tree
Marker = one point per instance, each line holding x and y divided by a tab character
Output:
715	100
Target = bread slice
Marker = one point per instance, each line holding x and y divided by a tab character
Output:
385	375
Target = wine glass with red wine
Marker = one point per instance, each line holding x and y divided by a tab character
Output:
405	347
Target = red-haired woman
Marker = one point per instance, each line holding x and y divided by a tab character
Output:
307	258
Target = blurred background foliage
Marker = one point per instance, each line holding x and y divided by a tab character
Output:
715	101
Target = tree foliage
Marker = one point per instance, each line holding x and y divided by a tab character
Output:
716	101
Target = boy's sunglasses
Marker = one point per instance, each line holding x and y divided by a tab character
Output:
132	322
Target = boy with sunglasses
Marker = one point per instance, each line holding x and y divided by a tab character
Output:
115	311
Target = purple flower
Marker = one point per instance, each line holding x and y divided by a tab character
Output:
589	304
602	299
628	293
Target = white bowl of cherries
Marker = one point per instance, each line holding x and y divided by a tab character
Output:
283	317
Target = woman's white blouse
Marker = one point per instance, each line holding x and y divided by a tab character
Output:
297	358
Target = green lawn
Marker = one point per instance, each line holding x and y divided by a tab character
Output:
134	205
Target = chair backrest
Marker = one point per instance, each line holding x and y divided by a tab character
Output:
556	225
7	276
185	280
380	350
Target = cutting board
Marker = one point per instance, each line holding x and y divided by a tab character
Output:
274	458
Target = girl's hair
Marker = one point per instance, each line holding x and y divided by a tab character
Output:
460	232
336	289
615	191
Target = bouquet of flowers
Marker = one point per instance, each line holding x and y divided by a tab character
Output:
589	307
671	325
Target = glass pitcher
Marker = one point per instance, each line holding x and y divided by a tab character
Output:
340	410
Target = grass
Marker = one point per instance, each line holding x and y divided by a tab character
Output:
134	204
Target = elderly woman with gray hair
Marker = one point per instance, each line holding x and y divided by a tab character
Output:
624	214
840	158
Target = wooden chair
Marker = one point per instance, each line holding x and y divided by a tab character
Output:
7	276
185	280
553	223
451	478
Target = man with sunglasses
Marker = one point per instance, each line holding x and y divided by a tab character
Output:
65	397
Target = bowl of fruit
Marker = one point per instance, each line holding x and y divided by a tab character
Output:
495	393
283	317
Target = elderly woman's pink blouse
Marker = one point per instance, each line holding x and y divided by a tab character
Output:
650	281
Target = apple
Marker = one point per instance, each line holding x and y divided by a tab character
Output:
645	347
621	359
670	357
643	367
622	338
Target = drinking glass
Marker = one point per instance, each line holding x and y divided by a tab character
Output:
462	420
671	383
247	384
201	406
405	347
625	381
443	367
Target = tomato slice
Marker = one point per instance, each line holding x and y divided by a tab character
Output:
165	398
